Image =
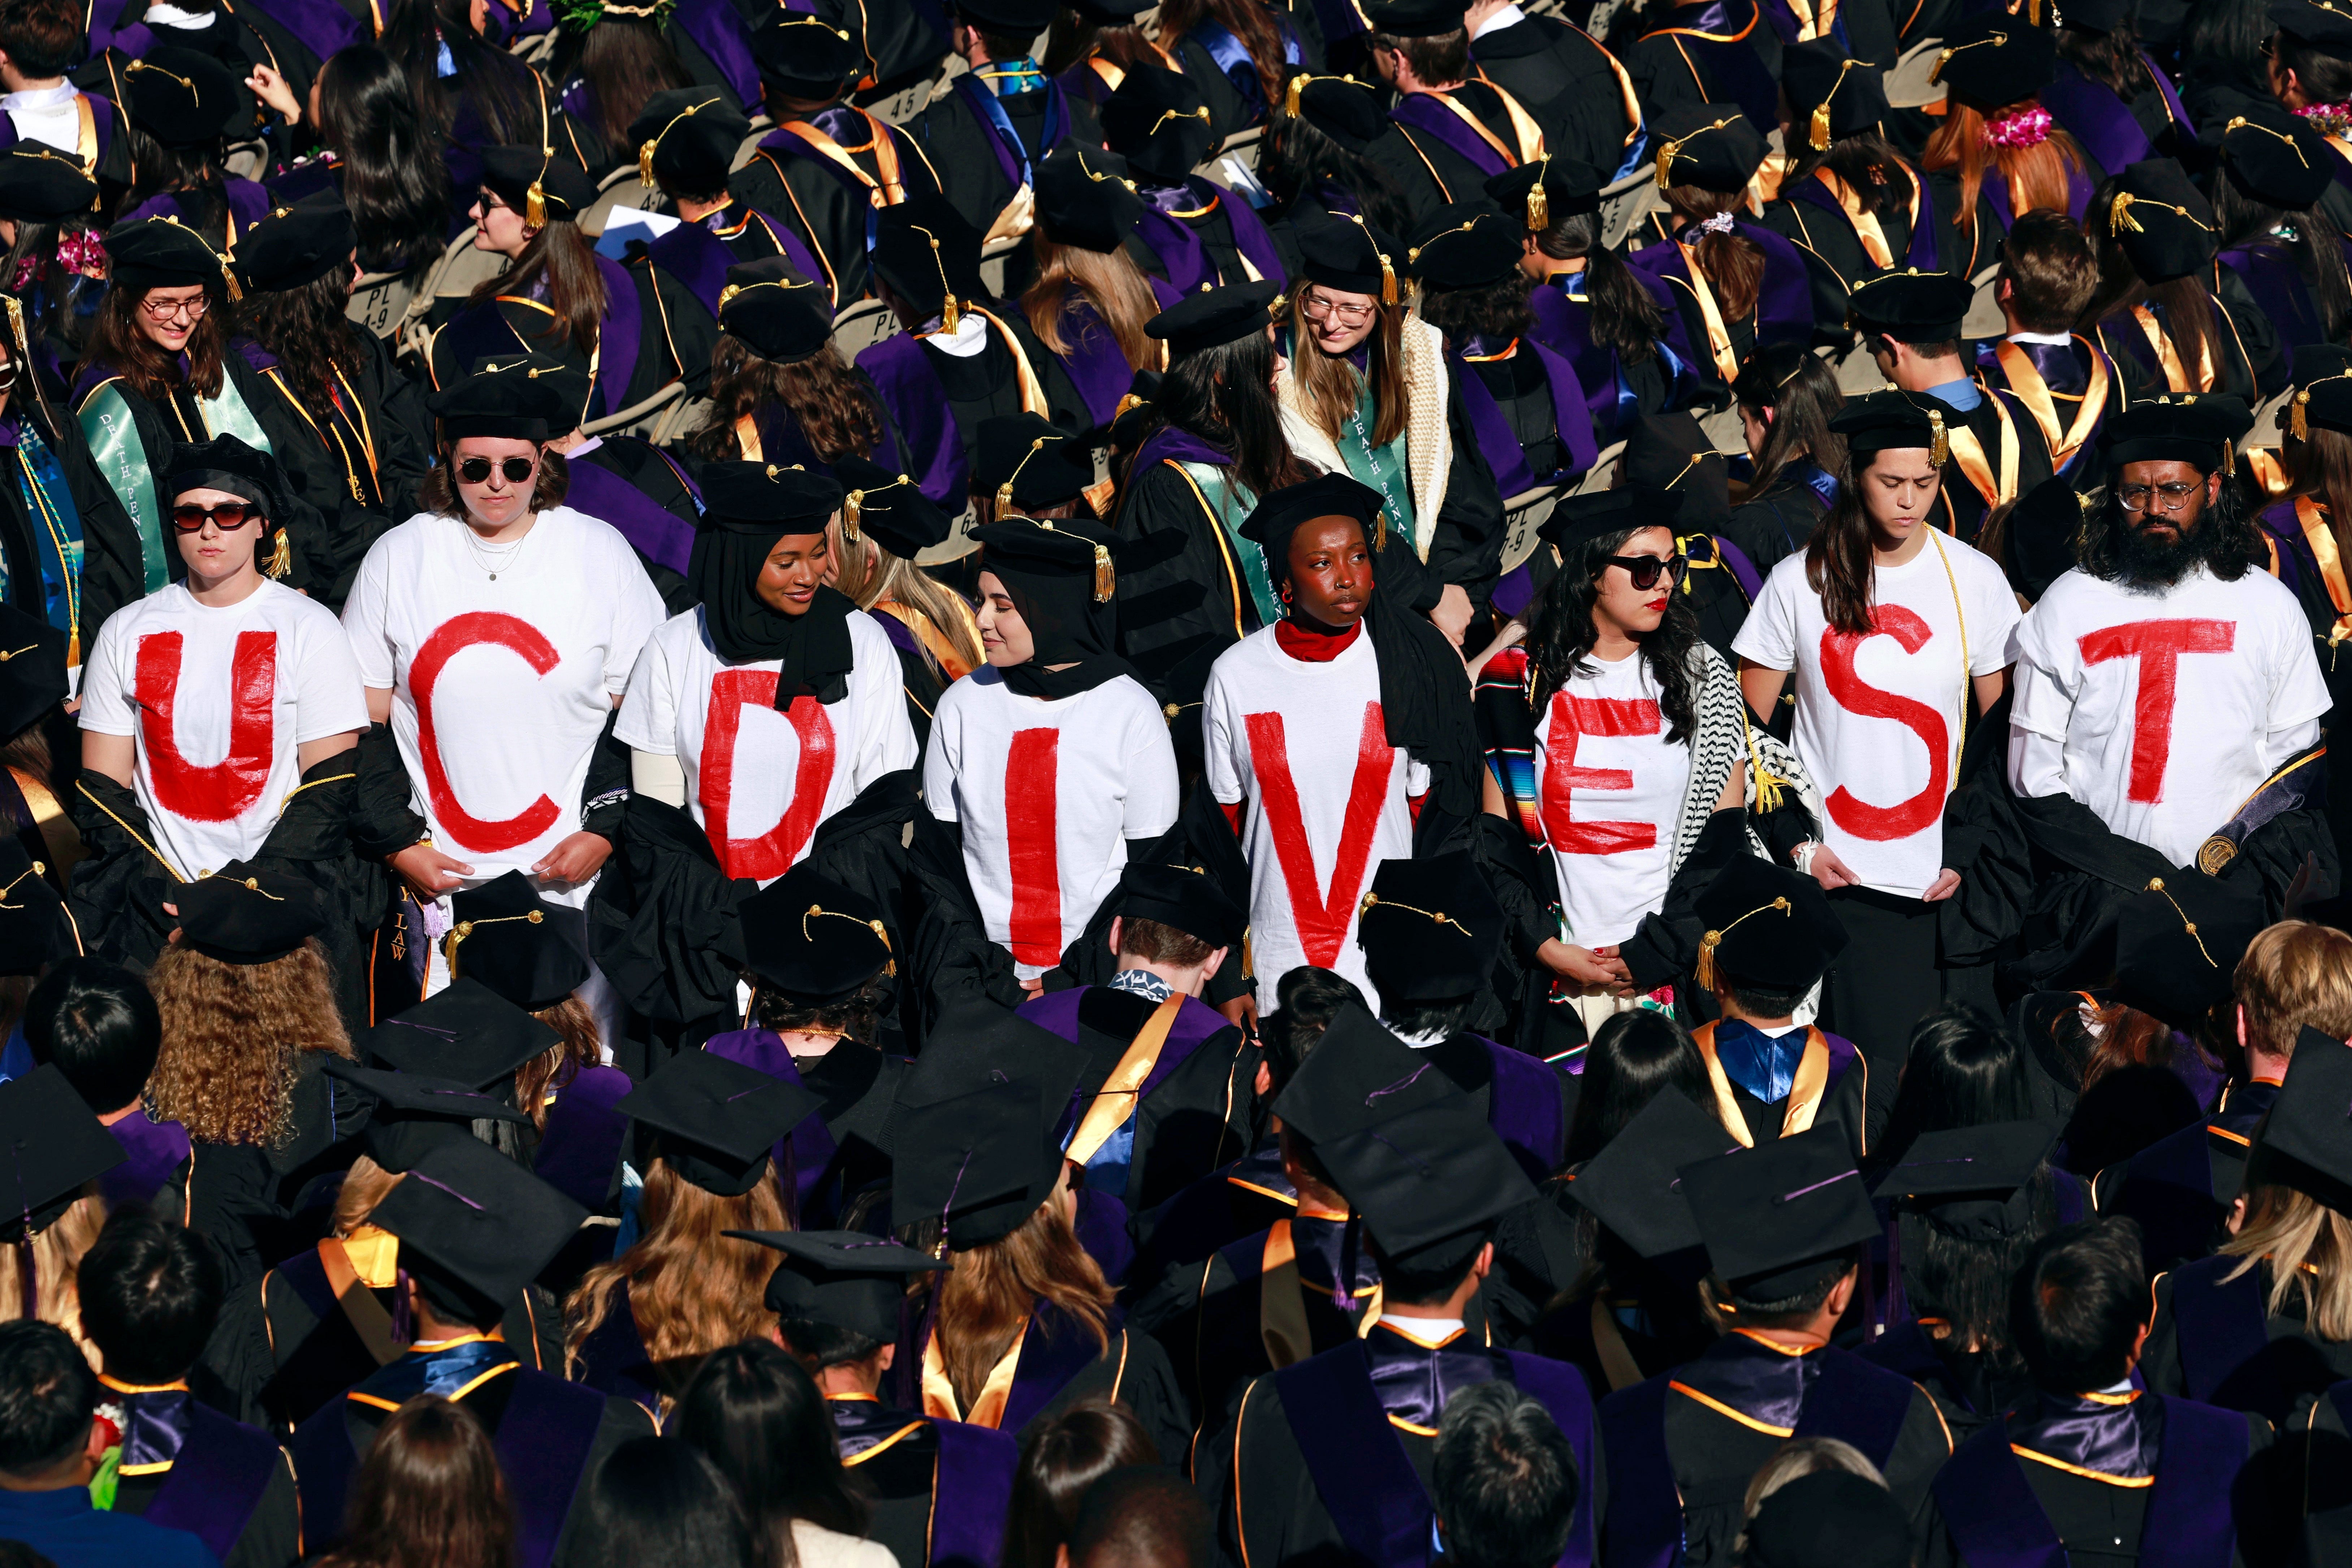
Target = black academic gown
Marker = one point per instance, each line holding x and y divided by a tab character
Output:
1432	173
1961	507
2179	1188
1574	89
1060	1367
1708	51
2049	382
675	335
939	1490
631	484
255	1204
986	385
1771	526
825	204
186	1467
2249	360
1837	257
2213	1340
113	570
1206	211
979	169
1222	1206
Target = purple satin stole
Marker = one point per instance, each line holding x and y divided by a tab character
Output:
1784	299
1500	445
617	339
1645	1509
1055	1349
656	532
1565	327
2219	1328
321	27
248	205
2294	557
108	30
2093	115
1196	1021
1180	250
1857	1403
1097	366
695	257
1167	443
918	403
581	1146
218	1478
1251	238
717	30
1423	112
1101	1225
2270	276
1523	1106
1737	71
806	1151
972	1493
1013	161
1751	582
152	1151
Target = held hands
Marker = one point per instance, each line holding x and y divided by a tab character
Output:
1588	966
1242	1012
575	860
271	89
1451	614
428	872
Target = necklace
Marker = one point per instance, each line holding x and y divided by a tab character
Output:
498	558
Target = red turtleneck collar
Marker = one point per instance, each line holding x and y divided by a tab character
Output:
1314	647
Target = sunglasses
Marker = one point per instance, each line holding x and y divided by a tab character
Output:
1644	568
229	516
476	470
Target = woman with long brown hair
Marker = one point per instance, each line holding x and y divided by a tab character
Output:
1787	396
2110	94
779	390
1251	44
606	66
2282	250
470	91
429	1495
182	108
2156	310
1090	301
872	563
1997	152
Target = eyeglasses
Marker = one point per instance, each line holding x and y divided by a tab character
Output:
229	516
2170	498
1318	309
1644	568
476	470
165	310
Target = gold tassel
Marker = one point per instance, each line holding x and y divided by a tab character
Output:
645	160
1100	496
1106	579
1388	280
534	207
2298	422
1004	497
1939	445
1290	95
1703	970
1666	164
1539	206
1819	134
853	506
281	556
2119	216
950	315
1380	531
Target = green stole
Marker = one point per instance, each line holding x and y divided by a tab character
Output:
1387	469
1232	503
121	456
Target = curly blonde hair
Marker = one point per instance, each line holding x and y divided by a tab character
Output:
233	1034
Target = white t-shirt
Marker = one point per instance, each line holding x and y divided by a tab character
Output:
218	701
1611	787
1879	716
2167	707
500	689
1048	794
1305	745
758	780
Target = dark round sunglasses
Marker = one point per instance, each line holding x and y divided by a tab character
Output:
1644	568
229	515
476	470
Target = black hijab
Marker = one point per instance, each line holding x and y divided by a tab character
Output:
751	506
1060	575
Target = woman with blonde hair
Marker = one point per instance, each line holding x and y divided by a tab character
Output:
1997	152
64	1150
639	1326
1090	300
779	390
884	524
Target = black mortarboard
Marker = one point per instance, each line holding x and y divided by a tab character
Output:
890	507
1347	254
1158	123
1181	899
805	56
531	952
2043	530
2310	1123
844	1278
465	1033
1710	145
1911	306
1830	1519
2323	27
2163	223
1025	460
1062	574
1769	1212
1972	1182
1634	1186
1766	926
512	397
926	252
1085	198
1282	513
773	311
1214	317
1879	421
2098	15
1367	1076
2289	168
1014	18
1430	929
414	1113
1465	246
1343	109
35	931
2322	398
1996	59
976	1044
239	915
2178	940
1430	1182
2196	428
983	1161
1415	18
182	99
52	1144
564	190
1597	514
297	244
1670	452
1539	193
39	184
713	1121
810	939
686	139
1830	94
227	464
161	253
481	1221
33	674
767	499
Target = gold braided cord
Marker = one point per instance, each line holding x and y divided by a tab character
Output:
1372	900
2155	884
1704	971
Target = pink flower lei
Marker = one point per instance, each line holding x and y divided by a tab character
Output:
2327	118
2027	127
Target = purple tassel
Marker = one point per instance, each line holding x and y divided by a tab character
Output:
403	1328
28	1279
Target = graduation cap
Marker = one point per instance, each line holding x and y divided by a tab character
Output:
928	255
713	1121
465	1033
981	1161
1348	253
2289	168
2322	400
805	56
32	670
844	1278
239	915
414	1113
1066	564
1541	193
1995	59
50	1143
227	464
1085	198
182	99
1465	246
1415	18
1710	145
1430	1182
1181	899
1895	419
2196	428
2178	940
1214	317
297	245
2323	27
1358	1075
890	507
35	930
1343	109
773	311
2305	1140
531	952
161	253
480	1222
767	499
543	188
1019	18
1766	926
1599	514
1911	306
1634	1186
1159	123
2098	15
1282	513
811	940
39	184
1430	929
1831	93
687	139
1769	1214
1831	1518
512	397
2164	223
2042	530
975	1045
1670	452
1025	460
1972	1182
